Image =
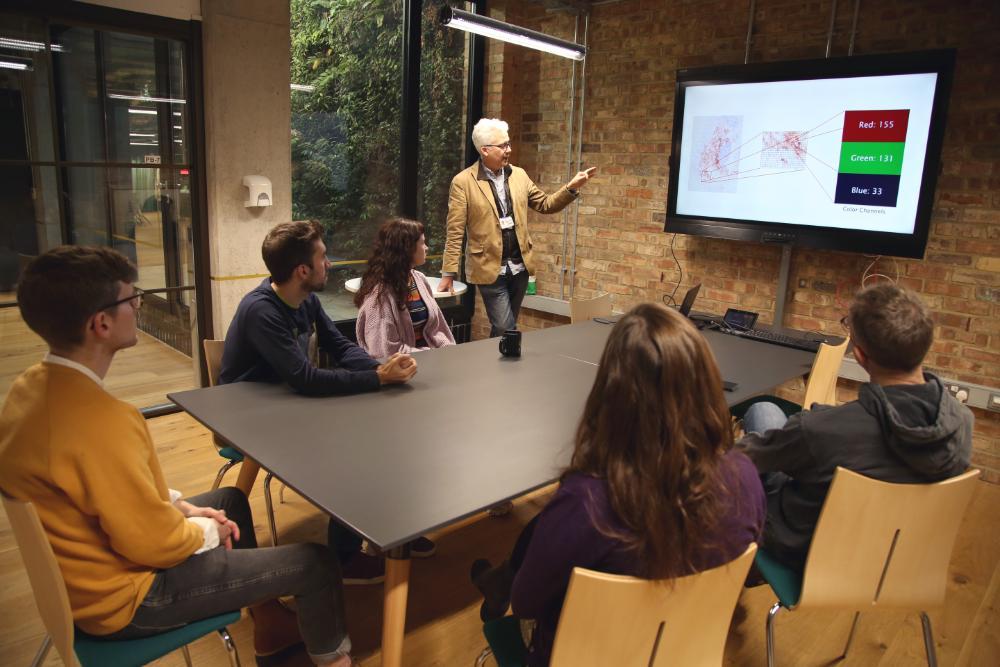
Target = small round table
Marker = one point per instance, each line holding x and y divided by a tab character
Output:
458	288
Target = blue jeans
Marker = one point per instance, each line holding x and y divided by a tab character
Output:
503	301
763	417
219	581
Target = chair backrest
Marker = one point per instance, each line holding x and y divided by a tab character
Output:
581	310
213	358
879	544
44	574
611	619
822	385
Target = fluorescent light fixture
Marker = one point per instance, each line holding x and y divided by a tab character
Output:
505	32
140	134
178	141
27	45
143	143
178	127
12	64
177	113
303	88
147	112
147	98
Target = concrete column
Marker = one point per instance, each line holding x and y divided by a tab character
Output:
246	47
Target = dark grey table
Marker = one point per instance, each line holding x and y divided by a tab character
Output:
470	431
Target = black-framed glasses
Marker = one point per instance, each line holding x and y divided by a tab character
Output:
504	146
845	322
135	300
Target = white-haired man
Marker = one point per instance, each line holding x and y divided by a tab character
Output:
489	201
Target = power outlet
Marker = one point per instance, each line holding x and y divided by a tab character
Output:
960	392
994	403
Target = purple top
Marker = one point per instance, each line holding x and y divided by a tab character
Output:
566	537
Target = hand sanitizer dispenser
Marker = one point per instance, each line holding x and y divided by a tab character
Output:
260	191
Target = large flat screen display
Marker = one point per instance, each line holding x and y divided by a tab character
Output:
839	153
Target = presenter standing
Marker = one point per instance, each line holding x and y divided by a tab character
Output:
489	202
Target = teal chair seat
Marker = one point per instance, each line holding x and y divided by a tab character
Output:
231	454
784	581
98	652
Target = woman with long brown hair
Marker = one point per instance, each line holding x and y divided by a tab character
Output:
397	310
654	488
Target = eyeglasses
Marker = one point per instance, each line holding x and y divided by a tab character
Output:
845	322
504	146
135	301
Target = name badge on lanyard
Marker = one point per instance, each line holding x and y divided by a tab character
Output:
506	222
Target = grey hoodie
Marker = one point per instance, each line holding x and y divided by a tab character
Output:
899	433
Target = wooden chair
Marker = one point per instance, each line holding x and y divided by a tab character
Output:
877	545
581	310
213	362
821	387
611	619
78	649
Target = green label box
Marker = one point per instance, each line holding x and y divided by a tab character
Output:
871	157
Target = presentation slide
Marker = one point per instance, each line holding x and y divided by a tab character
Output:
846	153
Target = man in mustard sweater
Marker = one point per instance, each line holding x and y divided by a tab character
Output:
137	560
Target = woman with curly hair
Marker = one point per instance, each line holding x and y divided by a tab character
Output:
654	488
397	310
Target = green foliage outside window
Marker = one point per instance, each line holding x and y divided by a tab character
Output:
346	132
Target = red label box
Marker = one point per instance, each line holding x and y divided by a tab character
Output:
876	125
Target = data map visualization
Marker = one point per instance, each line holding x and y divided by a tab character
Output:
867	168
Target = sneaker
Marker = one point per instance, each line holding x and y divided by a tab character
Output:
363	569
422	548
503	509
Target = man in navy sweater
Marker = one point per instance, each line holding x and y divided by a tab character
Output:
268	341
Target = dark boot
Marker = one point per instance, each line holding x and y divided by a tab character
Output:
495	583
275	632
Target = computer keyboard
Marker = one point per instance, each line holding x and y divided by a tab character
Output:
776	338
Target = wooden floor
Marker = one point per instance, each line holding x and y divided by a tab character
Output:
443	626
141	375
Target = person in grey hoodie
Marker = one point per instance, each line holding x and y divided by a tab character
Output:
904	427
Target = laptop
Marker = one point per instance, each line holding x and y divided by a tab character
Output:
684	309
688	301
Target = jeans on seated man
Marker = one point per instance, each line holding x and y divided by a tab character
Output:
904	426
136	558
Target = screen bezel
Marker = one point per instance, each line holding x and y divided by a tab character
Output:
940	62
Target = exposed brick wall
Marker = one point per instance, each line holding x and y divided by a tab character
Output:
636	47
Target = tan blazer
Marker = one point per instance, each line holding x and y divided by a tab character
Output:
472	209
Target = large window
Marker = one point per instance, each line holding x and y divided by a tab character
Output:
346	127
95	149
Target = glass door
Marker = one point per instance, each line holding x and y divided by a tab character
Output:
95	149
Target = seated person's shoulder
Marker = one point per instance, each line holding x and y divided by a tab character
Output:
261	307
581	492
740	464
